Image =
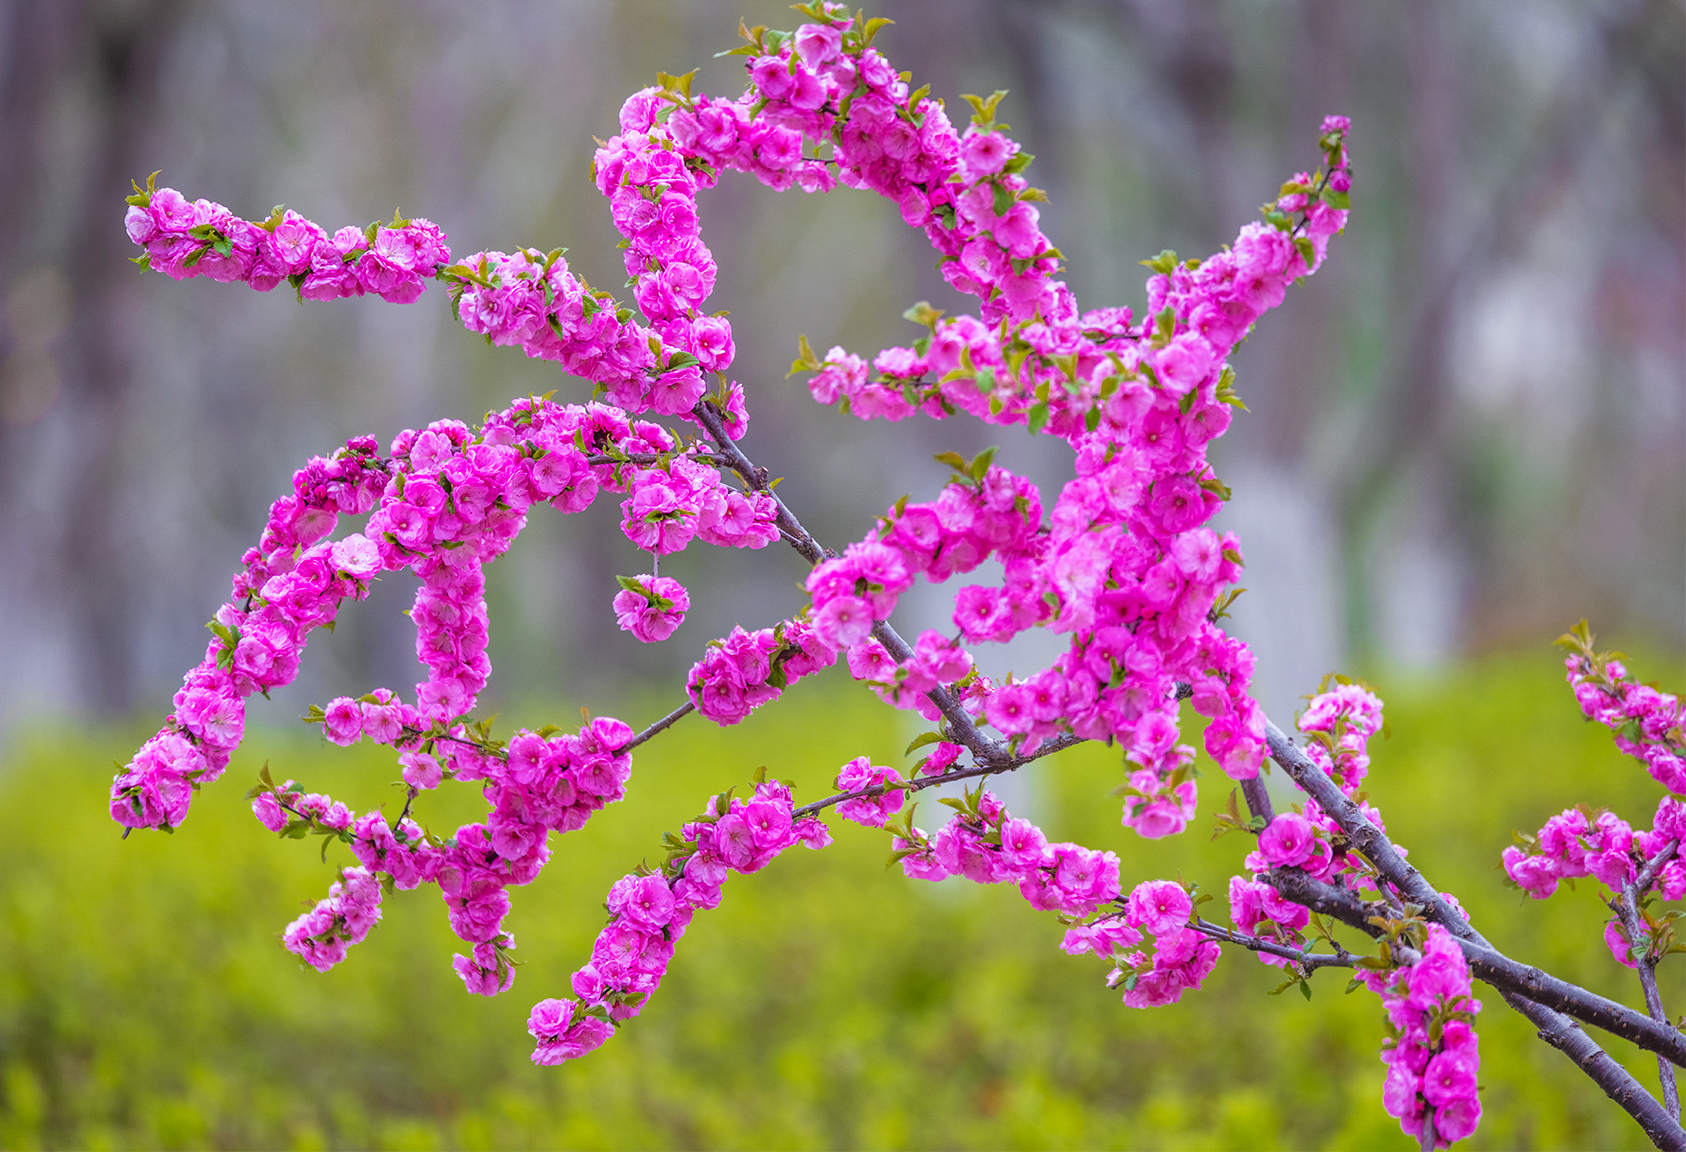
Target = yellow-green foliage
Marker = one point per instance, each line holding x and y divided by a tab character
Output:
145	999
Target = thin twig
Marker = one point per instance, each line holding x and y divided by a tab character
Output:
1649	872
1047	748
1627	907
1427	1139
1308	961
702	457
661	725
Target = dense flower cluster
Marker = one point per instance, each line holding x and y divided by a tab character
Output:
985	843
1125	564
1181	958
649	912
447	500
743	670
1432	1052
1650	725
1340	720
352	907
1576	843
534	785
185	238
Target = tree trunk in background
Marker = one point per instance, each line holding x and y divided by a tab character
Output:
113	54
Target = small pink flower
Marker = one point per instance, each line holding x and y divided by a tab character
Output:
343	723
1160	906
1287	841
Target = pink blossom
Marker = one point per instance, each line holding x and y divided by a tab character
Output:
344	721
1287	841
1159	906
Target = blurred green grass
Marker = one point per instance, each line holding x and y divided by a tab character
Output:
145	1000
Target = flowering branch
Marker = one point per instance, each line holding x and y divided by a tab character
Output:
1555	1028
1492	966
951	776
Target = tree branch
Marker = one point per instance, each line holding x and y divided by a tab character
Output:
1489	965
757	478
1554	1027
1627	906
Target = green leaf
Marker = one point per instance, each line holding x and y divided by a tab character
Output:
924	313
1162	263
1003	200
806	360
1037	417
922	740
983	111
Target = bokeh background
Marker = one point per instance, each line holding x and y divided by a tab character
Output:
1466	432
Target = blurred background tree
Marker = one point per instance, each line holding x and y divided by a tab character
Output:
1469	432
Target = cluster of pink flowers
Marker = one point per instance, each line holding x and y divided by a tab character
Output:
651	607
1602	845
1576	842
448	500
1432	1053
185	238
534	785
343	918
670	506
743	670
1650	725
1182	958
861	774
445	502
1341	719
649	912
987	844
936	660
1126	563
971	521
1160	794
